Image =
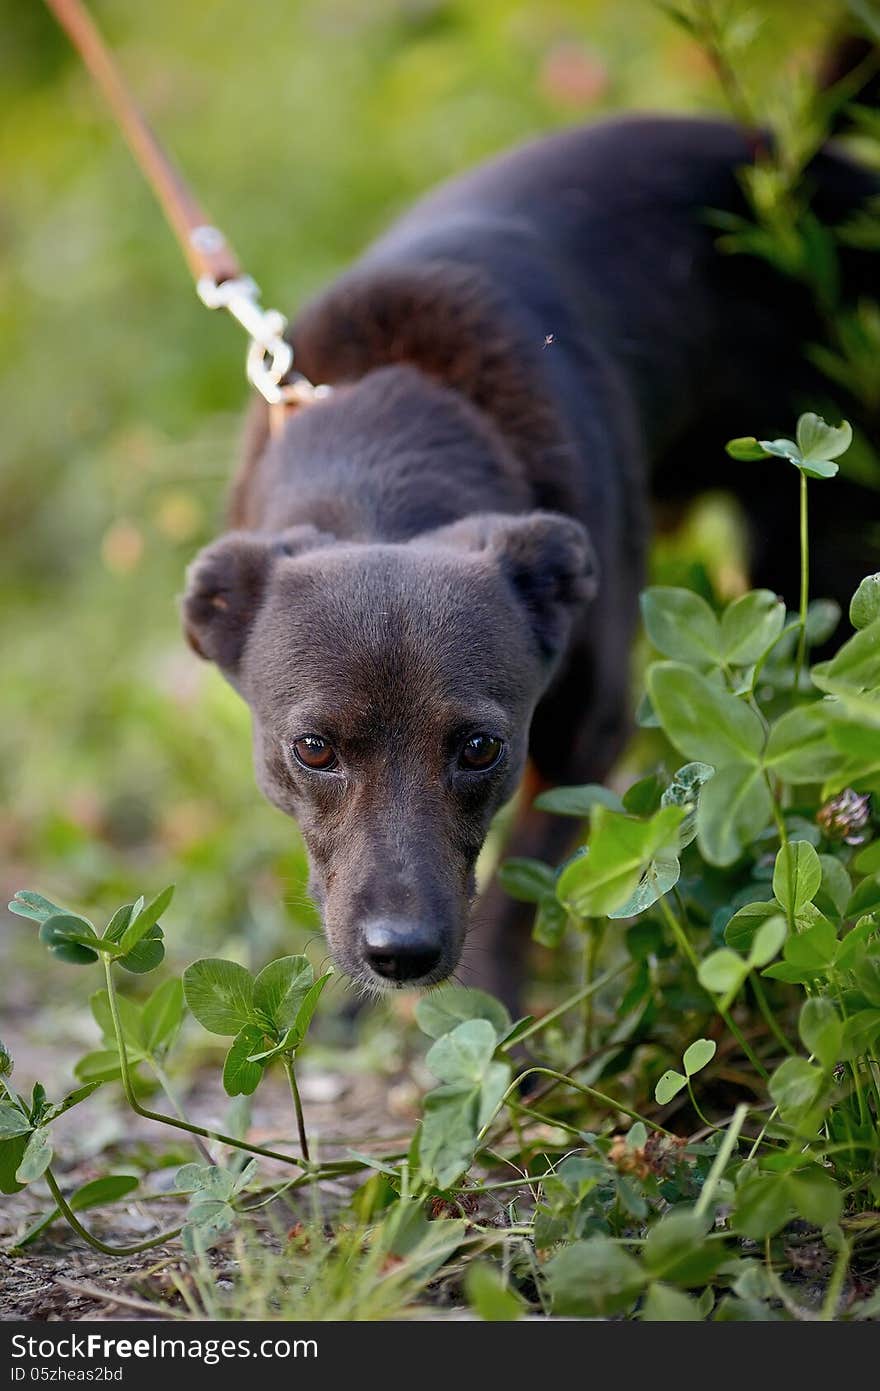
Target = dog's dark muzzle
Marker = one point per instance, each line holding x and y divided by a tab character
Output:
400	951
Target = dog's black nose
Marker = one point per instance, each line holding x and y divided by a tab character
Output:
399	950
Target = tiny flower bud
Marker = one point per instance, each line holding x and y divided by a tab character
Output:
845	817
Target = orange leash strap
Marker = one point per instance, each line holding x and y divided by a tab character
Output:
220	282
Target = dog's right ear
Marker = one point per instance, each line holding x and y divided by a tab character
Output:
226	585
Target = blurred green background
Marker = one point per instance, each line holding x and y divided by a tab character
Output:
304	125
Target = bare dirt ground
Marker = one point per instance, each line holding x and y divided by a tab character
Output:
59	1277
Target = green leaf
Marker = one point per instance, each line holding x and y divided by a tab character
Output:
746	449
663	872
703	721
799	748
766	1202
864	608
836	887
823	617
241	1076
294	1036
120	920
677	1250
526	880
101	1065
551	920
489	1296
684	791
669	1085
643	797
661	875
108	1189
855	666
141	923
741	930
767	941
220	994
621	847
30	905
305	1013
808	953
65	927
74	1098
443	1010
149	951
867	861
860	1033
74	954
576	801
449	1130
820	442
462	1056
815	1196
763	1205
280	989
593	1279
698	1055
39	1104
147	955
864	899
11	1152
664	1304
13	1121
817	444
797	876
681	625
733	810
131	1020
750	625
163	1014
722	972
495	1082
783	449
821	1030
795	1087
70	937
36	1158
867	974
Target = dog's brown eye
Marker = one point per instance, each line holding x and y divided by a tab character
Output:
480	752
314	752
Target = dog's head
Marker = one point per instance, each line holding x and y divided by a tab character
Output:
392	688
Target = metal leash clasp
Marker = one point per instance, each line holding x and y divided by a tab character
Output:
269	359
269	356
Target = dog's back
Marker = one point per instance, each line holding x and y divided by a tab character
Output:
573	289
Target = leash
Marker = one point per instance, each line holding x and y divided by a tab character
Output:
219	280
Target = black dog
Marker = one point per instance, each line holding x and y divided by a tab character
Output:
434	572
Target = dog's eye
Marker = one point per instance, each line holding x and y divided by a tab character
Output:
314	752
480	752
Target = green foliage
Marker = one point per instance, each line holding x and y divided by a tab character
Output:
269	1015
696	1057
817	446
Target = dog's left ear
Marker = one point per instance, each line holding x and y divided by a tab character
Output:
548	560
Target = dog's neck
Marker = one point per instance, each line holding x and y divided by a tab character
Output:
383	459
438	411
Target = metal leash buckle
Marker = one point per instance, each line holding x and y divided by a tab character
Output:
269	356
